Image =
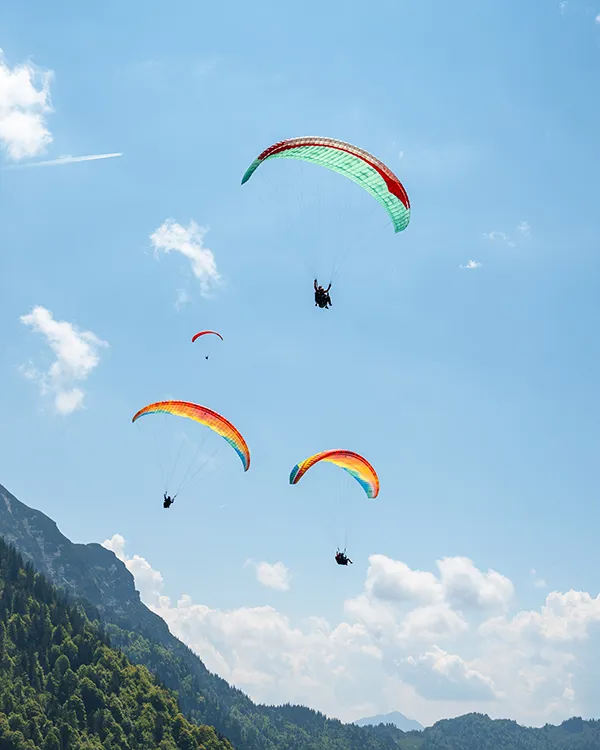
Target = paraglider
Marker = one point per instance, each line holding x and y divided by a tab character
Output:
354	163
356	465
203	416
204	333
322	298
342	559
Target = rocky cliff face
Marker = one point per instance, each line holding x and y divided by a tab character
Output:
83	570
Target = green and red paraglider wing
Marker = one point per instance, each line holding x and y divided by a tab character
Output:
352	162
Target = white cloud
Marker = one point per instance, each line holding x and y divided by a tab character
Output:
272	575
597	19
24	103
76	356
472	264
148	581
524	228
538	582
443	676
182	299
389	579
430	645
564	617
495	236
460	584
116	544
562	6
401	154
467	587
172	237
427	624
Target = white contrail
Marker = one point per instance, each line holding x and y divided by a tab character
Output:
62	160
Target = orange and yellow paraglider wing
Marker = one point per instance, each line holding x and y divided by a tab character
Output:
355	464
204	416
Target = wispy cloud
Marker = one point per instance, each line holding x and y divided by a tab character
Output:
562	7
63	160
472	264
597	19
76	356
523	229
189	242
495	236
182	299
24	104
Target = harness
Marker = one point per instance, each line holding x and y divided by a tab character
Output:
321	297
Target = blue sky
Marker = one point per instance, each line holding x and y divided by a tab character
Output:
471	390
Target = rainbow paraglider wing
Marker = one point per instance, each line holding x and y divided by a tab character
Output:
353	463
204	416
352	162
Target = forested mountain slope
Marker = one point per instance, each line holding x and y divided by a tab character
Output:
479	732
63	688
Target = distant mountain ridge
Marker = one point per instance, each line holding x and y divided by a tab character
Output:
395	717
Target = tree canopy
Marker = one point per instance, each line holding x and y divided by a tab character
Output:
62	686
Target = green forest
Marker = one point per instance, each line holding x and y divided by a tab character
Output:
63	688
479	732
208	699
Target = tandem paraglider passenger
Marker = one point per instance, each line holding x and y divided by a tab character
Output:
322	298
342	559
168	501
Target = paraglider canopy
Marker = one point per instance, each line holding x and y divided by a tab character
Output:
355	464
204	416
200	334
203	333
352	162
